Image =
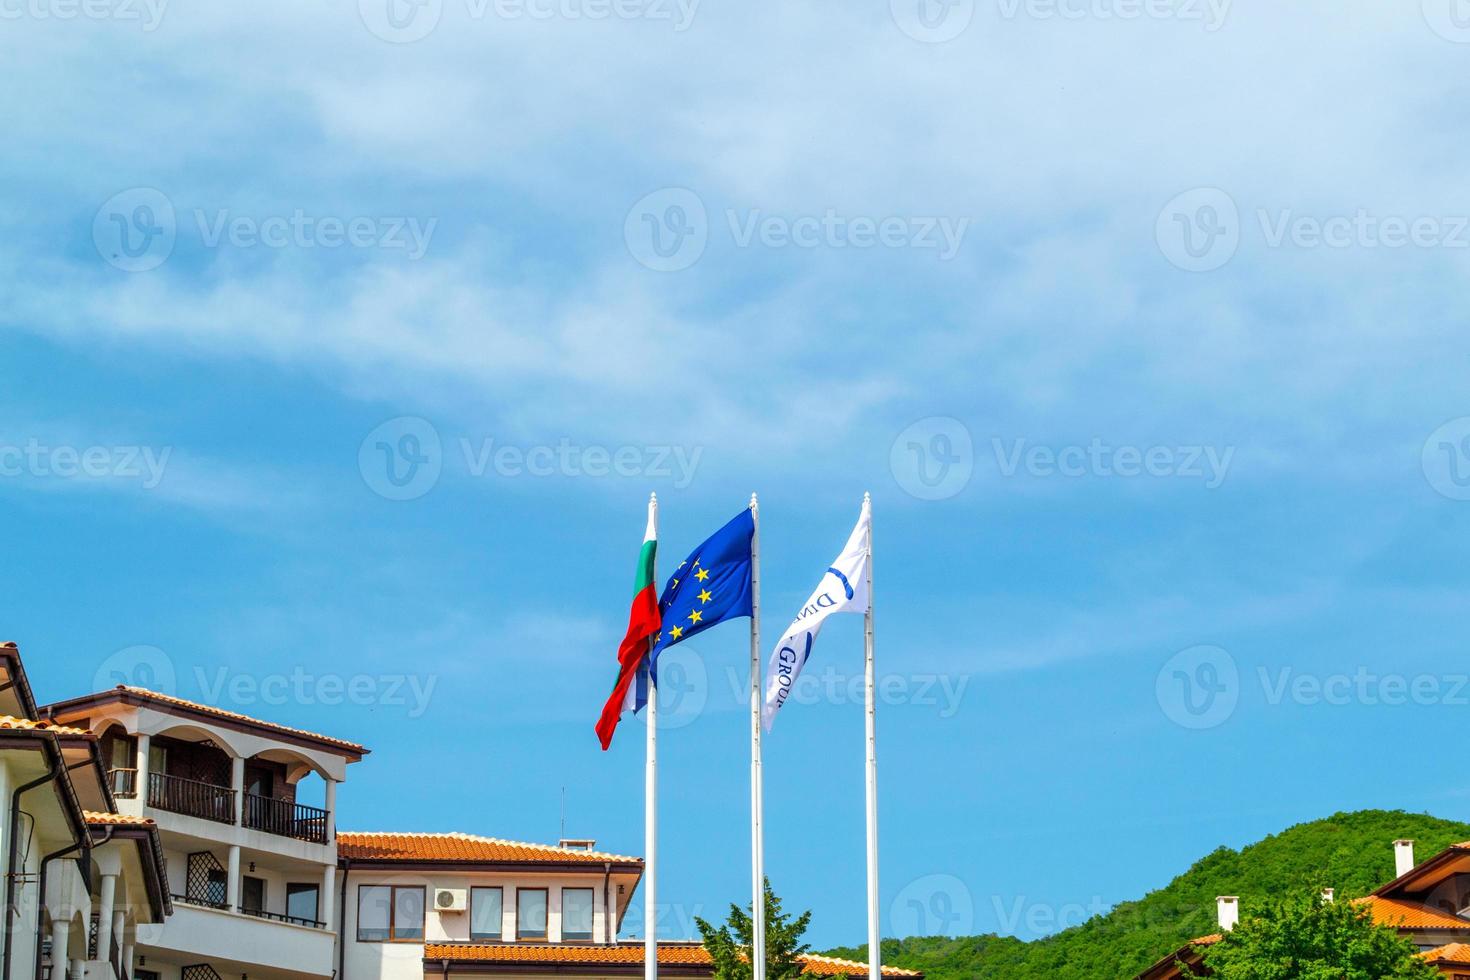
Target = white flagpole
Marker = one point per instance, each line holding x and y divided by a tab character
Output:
875	934
757	803
650	800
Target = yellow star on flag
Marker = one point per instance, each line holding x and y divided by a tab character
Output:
705	595
702	574
676	632
696	616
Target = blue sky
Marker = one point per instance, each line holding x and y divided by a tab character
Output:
1144	325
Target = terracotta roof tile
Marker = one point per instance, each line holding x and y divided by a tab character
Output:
26	725
209	709
669	954
461	849
1410	915
1455	954
115	820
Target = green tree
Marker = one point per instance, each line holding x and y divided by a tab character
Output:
1302	937
729	945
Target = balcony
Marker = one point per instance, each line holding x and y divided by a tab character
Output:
236	943
124	783
191	797
286	818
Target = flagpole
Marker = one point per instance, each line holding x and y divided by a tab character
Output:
757	803
650	806
875	935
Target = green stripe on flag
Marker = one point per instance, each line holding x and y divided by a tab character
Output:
644	578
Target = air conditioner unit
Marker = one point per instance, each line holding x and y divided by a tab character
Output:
451	899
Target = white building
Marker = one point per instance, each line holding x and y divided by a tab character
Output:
81	881
265	888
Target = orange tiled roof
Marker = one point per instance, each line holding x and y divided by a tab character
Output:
669	954
461	849
1410	915
26	725
210	709
1455	954
115	819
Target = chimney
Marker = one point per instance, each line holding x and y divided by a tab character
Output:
1228	907
577	844
1328	895
1403	857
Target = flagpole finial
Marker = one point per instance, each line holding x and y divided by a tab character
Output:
753	503
653	498
867	497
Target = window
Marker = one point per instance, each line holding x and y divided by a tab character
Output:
390	913
301	903
485	912
531	913
576	915
252	894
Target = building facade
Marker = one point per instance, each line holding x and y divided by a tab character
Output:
249	876
1428	903
81	880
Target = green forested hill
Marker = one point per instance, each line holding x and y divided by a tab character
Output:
1350	852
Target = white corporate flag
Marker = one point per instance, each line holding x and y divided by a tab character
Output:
844	588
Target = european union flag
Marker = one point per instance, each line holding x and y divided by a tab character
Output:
709	587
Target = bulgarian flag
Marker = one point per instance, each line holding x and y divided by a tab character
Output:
630	693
